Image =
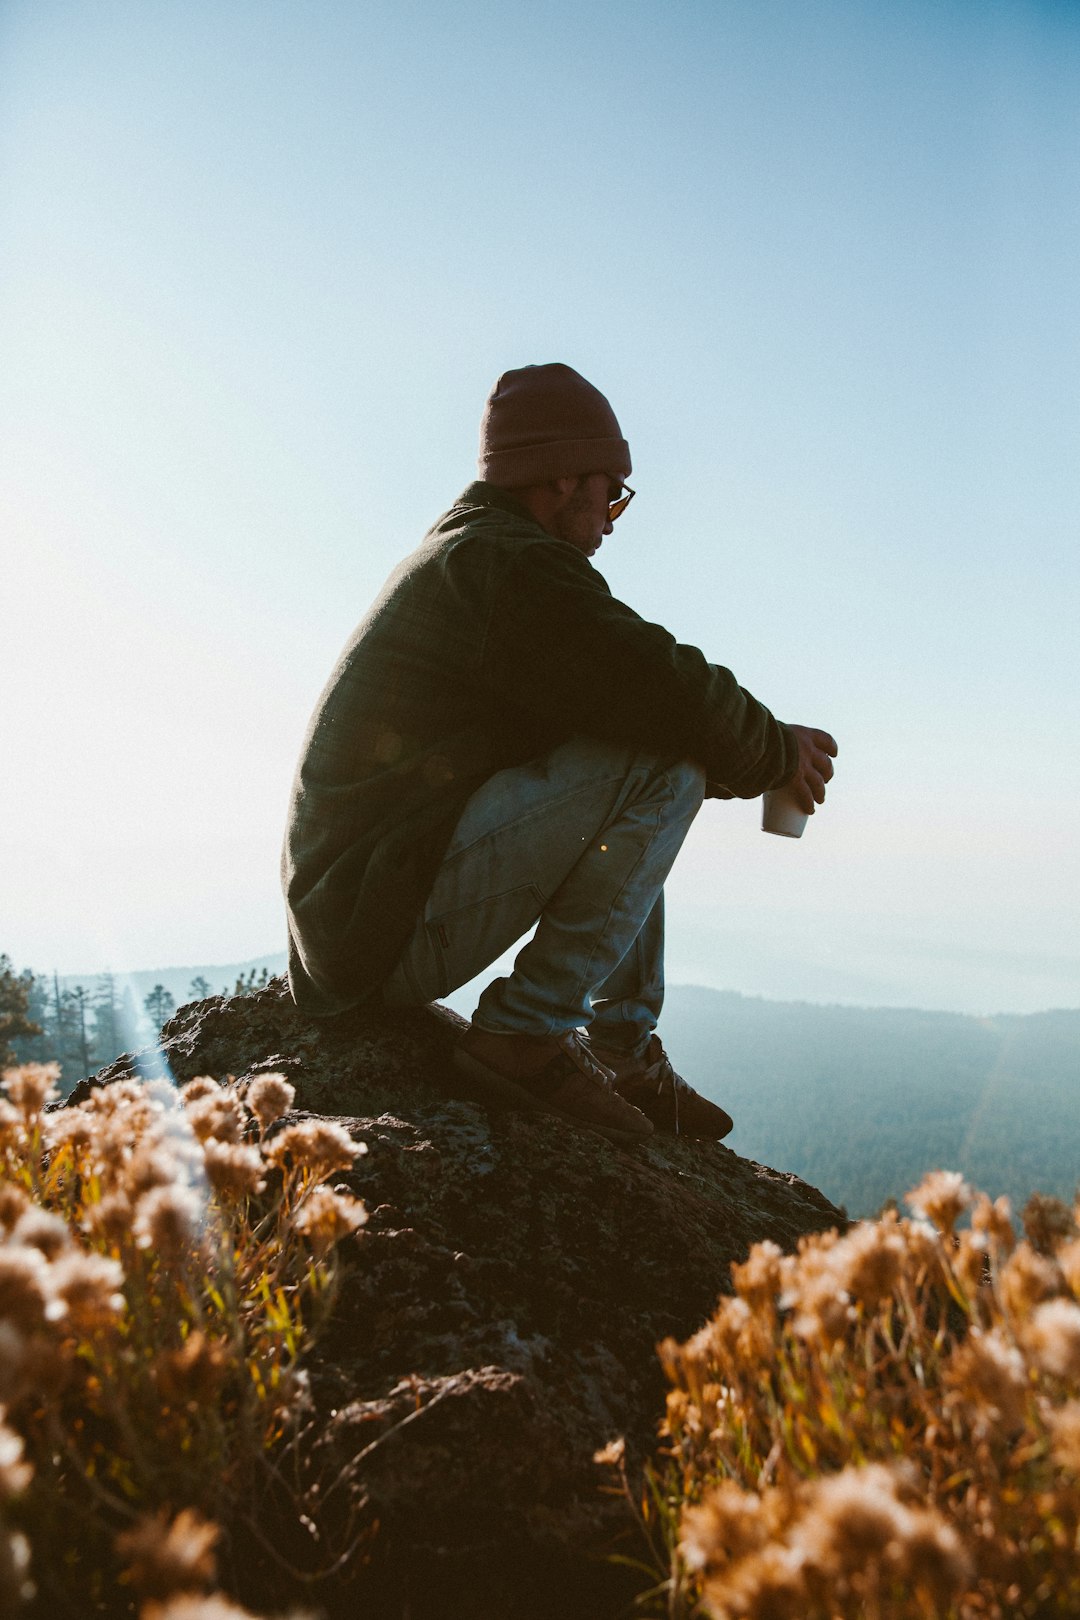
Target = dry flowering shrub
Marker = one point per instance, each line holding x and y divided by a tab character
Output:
164	1262
885	1424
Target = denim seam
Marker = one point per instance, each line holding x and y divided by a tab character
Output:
548	806
586	978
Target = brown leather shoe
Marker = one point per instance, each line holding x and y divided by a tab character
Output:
549	1074
651	1084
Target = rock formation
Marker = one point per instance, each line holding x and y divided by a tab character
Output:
497	1320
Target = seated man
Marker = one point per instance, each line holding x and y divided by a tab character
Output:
503	743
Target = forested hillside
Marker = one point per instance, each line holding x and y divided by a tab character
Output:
82	1022
858	1101
861	1101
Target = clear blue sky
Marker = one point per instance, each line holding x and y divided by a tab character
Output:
261	264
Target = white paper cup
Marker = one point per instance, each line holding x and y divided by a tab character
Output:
781	814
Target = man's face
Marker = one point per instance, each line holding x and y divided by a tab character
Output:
583	518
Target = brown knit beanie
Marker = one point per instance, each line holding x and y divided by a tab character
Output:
545	422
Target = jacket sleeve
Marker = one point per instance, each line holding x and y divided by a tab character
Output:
560	645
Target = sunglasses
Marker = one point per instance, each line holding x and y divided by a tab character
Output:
617	507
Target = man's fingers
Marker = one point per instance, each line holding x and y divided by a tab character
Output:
817	749
802	793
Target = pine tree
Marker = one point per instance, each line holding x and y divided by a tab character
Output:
200	988
80	1005
248	986
109	1039
63	1037
36	1048
15	1020
159	1005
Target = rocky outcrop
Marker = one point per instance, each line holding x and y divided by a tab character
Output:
497	1320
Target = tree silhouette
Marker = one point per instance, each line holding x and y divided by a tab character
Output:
159	1004
80	1001
248	986
64	1029
108	1027
15	1021
200	988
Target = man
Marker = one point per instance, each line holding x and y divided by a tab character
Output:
503	744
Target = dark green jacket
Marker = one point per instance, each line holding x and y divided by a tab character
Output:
492	643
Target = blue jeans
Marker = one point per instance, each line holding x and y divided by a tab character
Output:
580	843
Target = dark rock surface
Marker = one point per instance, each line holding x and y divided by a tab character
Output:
497	1320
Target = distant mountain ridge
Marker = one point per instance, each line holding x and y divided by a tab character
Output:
221	977
861	1101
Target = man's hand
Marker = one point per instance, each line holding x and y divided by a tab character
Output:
817	750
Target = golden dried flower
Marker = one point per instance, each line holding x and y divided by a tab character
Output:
216	1115
203	1085
1052	1338
1064	1426
16	1587
758	1279
110	1218
15	1472
31	1086
319	1145
727	1524
1047	1222
850	1517
935	1560
164	1559
989	1374
151	1165
90	1287
232	1169
119	1096
717	1343
14	1202
195	1372
12	1128
867	1262
68	1127
821	1307
186	1606
855	1525
924	1249
1026	1279
969	1259
39	1229
1068	1258
941	1197
769	1585
26	1294
995	1219
327	1216
167	1219
269	1096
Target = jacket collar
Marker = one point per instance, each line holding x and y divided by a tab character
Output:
484	494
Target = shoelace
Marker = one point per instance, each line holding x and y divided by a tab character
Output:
577	1050
665	1072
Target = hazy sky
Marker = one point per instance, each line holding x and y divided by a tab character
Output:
261	263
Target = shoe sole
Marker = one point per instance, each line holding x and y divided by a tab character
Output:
501	1090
